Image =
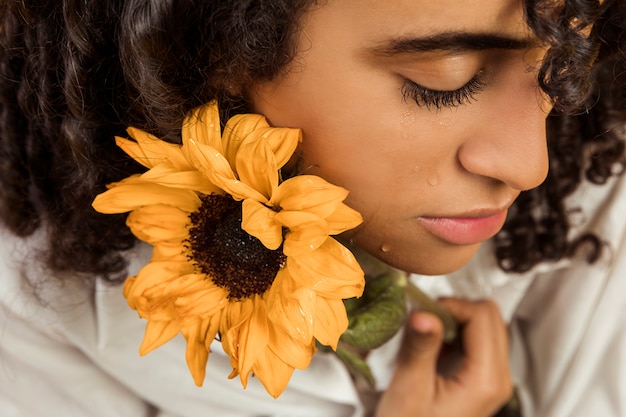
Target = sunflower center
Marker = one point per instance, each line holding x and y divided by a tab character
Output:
226	253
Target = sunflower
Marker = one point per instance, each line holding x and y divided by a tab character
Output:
239	254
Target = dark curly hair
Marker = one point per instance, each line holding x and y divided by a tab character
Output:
73	74
586	130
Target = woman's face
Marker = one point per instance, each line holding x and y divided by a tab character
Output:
428	112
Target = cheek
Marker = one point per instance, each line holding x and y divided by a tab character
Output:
397	152
357	156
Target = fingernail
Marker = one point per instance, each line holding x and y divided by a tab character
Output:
422	323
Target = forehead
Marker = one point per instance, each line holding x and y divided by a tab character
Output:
371	19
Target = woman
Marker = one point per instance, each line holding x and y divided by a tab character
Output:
431	115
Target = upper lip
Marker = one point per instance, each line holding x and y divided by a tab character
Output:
475	213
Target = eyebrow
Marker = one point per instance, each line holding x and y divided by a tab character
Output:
453	42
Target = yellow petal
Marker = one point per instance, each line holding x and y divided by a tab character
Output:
212	330
157	334
203	126
158	314
151	151
208	160
291	307
273	372
202	303
253	339
169	176
234	315
129	283
237	130
168	250
308	193
186	284
331	271
154	274
197	354
342	219
158	223
283	142
331	321
256	166
292	352
307	232
131	193
196	357
217	169
258	221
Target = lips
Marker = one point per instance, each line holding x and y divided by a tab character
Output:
464	230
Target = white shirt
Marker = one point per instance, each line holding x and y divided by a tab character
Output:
69	351
66	350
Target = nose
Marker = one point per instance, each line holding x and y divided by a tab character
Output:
509	143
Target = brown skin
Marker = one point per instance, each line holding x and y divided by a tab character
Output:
403	162
481	384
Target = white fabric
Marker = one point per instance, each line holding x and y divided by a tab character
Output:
77	355
69	351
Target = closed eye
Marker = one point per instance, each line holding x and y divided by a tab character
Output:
425	97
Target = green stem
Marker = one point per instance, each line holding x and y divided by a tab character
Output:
423	302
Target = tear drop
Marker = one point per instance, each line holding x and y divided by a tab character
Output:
433	181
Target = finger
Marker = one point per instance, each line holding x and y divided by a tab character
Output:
416	367
484	334
421	345
485	344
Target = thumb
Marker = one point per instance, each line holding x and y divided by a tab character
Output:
421	345
413	387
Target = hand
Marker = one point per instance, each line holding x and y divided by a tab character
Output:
479	385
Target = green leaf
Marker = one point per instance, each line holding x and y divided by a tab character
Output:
378	314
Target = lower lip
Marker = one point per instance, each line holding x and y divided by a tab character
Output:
464	230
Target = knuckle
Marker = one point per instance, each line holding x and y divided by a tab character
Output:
487	308
497	390
486	305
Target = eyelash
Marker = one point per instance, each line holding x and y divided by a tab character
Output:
438	99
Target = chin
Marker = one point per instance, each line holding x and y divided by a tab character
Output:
421	256
431	261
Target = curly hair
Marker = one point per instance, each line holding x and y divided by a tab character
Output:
74	74
585	144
